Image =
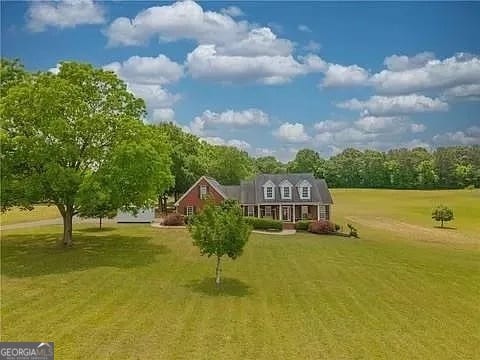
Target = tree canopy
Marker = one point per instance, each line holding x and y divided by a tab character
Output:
59	131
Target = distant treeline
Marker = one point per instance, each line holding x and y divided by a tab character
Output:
453	167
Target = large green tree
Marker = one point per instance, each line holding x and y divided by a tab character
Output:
59	130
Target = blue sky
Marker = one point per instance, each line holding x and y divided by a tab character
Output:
274	77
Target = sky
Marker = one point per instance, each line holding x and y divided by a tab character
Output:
275	77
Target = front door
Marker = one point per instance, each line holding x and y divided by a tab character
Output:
286	213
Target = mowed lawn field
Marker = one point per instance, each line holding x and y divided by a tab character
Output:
133	291
39	212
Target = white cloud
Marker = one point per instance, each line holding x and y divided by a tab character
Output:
312	46
339	75
330	125
63	14
376	124
205	62
232	11
402	62
470	136
180	20
395	105
471	91
259	41
231	118
163	115
147	70
155	96
215	140
461	69
304	28
292	133
417	128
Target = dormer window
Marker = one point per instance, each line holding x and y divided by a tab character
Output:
269	190
286	189
203	192
304	190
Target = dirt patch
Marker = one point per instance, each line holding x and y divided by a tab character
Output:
415	232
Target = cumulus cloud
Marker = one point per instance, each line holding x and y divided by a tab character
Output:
417	128
230	118
163	115
205	62
470	92
312	46
155	96
292	133
147	70
339	75
460	69
470	136
232	11
395	105
402	62
376	124
330	125
215	140
180	20
63	14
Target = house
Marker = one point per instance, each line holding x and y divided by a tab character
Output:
286	197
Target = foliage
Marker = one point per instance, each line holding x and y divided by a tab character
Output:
302	225
60	130
96	200
220	230
306	161
264	224
174	219
268	165
442	213
321	227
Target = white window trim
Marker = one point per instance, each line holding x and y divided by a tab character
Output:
286	184
267	185
203	191
304	184
189	210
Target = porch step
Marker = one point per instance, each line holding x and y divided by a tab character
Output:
288	226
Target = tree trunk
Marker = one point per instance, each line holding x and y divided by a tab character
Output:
175	195
67	225
100	223
218	271
442	223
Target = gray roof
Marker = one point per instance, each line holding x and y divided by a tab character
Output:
251	191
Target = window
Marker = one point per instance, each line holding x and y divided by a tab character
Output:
189	210
286	189
286	192
268	211
322	212
305	192
250	210
269	193
203	192
304	212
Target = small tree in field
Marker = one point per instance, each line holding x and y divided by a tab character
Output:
442	213
219	231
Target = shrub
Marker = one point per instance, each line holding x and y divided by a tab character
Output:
302	225
174	220
442	213
264	224
321	227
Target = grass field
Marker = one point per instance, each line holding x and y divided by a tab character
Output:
40	212
140	292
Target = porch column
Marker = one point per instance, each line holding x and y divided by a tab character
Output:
280	216
318	212
293	213
258	213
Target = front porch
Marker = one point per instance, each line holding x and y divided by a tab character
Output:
288	212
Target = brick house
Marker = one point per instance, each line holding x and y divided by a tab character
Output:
285	197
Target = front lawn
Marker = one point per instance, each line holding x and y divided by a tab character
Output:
40	212
142	292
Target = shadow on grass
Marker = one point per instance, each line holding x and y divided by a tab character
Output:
445	227
95	230
38	254
227	287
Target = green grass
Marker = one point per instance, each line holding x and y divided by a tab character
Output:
40	212
141	292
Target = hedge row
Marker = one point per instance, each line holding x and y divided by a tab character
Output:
264	224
